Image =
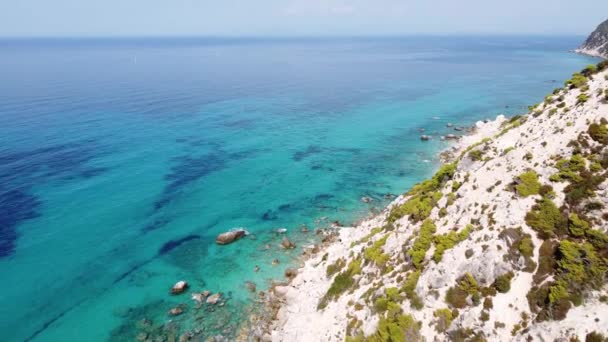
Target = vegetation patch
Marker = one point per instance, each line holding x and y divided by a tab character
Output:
335	267
444	319
502	283
376	254
409	288
527	184
422	243
446	241
342	282
466	287
423	196
546	219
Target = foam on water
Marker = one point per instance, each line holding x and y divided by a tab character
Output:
121	161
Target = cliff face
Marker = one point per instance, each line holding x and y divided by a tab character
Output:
506	242
597	43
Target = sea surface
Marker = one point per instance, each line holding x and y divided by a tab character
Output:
122	159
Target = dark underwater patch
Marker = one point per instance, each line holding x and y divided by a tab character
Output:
19	170
190	169
15	206
269	215
59	161
154	225
173	244
309	151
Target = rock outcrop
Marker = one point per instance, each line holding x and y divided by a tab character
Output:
230	237
597	43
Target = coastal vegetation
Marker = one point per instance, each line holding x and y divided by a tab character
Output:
549	222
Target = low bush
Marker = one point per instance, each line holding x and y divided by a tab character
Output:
424	196
376	254
335	267
446	241
502	283
444	319
466	286
528	184
397	327
598	132
409	288
546	219
422	243
577	81
342	282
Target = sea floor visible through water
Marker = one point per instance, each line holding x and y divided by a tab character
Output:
122	159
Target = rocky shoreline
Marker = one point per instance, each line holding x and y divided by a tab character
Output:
344	285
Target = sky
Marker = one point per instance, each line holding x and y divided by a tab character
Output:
108	18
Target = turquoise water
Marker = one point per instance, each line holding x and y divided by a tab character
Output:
121	160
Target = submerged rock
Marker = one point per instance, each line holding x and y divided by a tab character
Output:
231	236
285	243
250	286
366	199
179	287
425	137
214	298
290	273
176	311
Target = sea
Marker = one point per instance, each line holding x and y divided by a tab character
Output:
122	159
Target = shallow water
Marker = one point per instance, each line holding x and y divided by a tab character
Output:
121	160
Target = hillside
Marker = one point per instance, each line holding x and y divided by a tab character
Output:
597	42
507	239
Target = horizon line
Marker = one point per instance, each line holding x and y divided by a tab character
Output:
292	36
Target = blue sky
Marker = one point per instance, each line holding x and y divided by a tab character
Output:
297	17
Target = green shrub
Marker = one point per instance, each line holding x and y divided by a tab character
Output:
528	184
597	238
582	98
589	70
446	241
502	283
335	267
546	219
399	327
568	169
577	81
422	243
595	337
424	196
375	253
526	247
409	288
598	132
576	225
476	155
465	286
444	319
342	282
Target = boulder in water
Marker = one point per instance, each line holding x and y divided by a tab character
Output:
231	236
290	273
285	243
214	298
179	287
176	311
425	137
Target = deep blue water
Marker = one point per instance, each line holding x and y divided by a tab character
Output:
122	159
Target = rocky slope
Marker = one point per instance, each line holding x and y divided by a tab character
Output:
597	43
507	241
